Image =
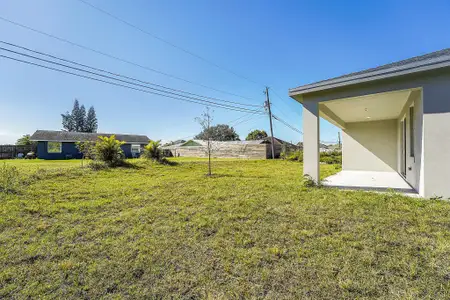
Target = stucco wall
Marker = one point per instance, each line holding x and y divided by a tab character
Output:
436	137
370	146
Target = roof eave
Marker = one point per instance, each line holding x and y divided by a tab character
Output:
295	93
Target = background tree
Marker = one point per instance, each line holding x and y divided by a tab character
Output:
205	121
78	121
256	135
68	122
24	140
80	118
91	123
220	132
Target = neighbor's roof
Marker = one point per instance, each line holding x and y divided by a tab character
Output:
427	62
252	142
66	136
203	143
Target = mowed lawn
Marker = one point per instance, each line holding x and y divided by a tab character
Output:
251	231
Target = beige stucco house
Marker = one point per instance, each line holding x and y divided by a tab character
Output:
395	122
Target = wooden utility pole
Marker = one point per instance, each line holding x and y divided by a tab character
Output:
270	119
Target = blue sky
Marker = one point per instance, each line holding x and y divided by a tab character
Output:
282	44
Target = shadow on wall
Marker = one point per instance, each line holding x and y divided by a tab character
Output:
370	146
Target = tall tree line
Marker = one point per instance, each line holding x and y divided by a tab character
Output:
78	120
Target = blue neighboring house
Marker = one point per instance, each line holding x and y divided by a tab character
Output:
61	144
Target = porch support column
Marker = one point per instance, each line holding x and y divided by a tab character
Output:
311	140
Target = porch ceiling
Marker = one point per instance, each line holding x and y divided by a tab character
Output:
383	106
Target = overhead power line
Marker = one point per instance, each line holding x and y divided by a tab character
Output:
249	119
123	21
115	74
182	98
117	58
120	80
297	130
286	124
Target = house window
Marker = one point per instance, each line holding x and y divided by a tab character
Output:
54	147
411	131
135	148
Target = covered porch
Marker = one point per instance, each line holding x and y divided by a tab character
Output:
379	140
394	118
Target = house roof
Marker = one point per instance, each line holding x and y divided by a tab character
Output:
427	62
66	136
203	143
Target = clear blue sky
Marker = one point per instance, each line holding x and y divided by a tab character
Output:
282	44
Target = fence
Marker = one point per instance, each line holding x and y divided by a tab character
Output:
11	151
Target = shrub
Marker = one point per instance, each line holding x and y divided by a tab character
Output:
9	179
153	151
333	157
295	156
308	181
107	150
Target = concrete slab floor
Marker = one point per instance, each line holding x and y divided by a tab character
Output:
370	181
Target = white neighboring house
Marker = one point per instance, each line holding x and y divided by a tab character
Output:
395	122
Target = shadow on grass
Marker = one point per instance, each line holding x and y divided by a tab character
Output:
235	176
128	165
167	162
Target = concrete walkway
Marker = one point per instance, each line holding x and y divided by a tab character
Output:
371	181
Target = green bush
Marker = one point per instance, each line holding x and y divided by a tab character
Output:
333	157
107	150
294	156
153	151
308	181
9	179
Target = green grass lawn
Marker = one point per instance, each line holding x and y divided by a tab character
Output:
251	231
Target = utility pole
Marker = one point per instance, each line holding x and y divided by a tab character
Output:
339	139
270	119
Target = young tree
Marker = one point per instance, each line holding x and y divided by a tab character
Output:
205	121
85	149
256	135
220	132
91	123
24	140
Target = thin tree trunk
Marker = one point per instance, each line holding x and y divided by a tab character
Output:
209	157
